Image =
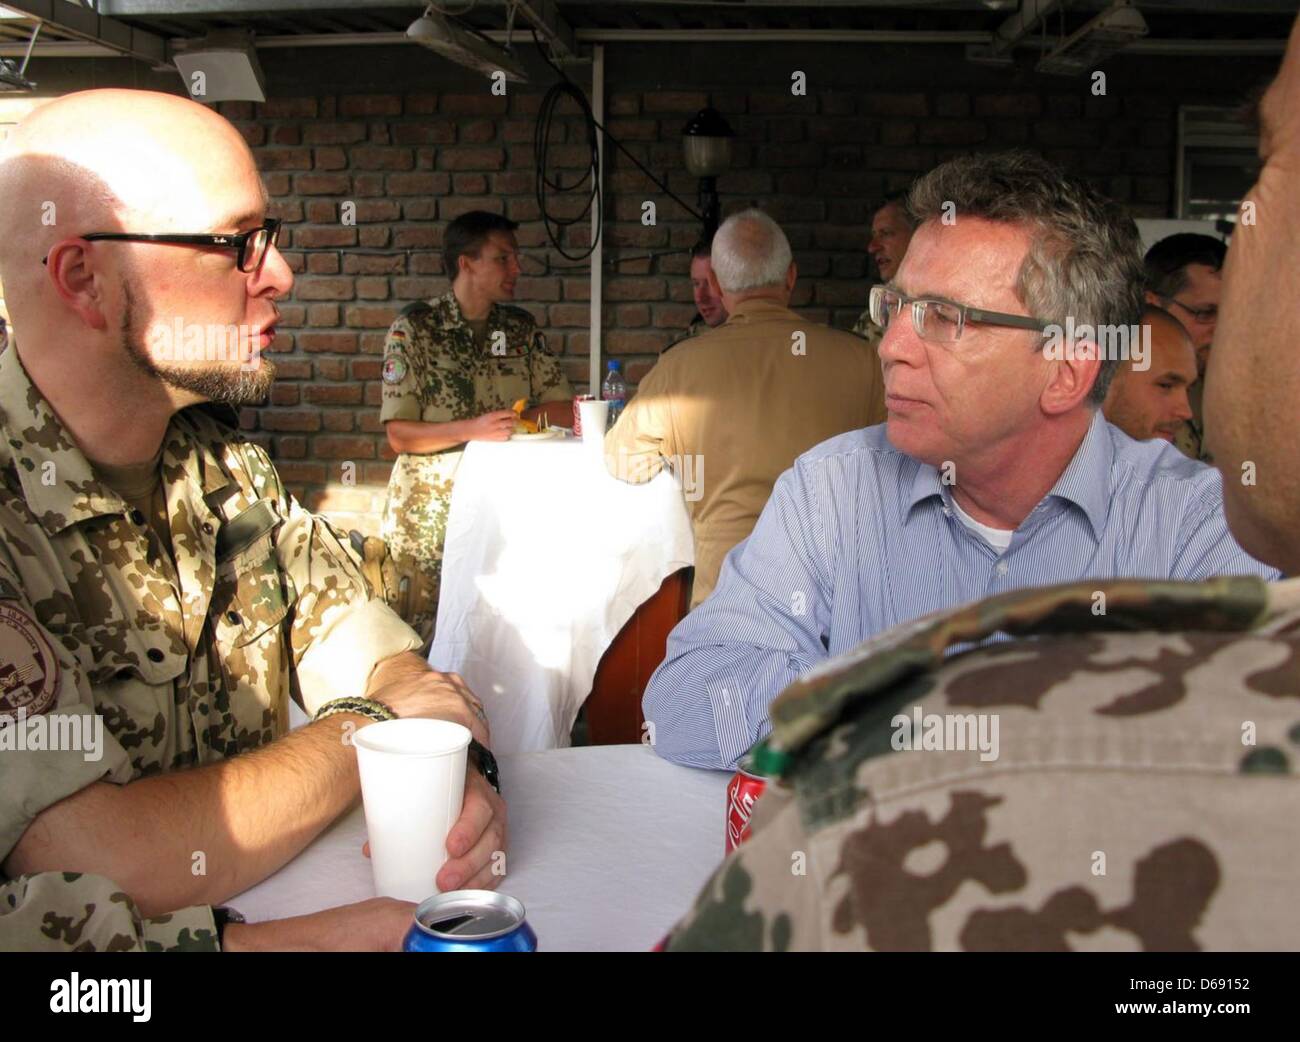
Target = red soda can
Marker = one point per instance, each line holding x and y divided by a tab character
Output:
577	413
743	792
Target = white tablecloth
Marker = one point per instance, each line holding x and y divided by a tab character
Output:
547	557
609	845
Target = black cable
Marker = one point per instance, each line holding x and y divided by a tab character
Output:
565	87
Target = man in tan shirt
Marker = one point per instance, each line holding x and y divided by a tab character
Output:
728	411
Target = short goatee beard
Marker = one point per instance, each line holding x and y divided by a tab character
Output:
224	384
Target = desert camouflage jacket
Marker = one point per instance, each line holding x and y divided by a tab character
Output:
1121	778
163	657
71	912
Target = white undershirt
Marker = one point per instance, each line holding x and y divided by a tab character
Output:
998	538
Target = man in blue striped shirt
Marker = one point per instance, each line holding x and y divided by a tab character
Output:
995	469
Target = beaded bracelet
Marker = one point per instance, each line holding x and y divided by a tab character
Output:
367	707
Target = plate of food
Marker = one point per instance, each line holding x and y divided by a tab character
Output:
527	430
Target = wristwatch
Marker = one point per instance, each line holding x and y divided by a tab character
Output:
481	757
223	916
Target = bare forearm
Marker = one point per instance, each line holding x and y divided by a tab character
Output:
203	835
419	437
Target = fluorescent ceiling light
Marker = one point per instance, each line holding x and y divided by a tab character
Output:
1110	32
436	32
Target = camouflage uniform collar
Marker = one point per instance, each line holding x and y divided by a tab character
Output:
1085	482
857	679
39	444
451	305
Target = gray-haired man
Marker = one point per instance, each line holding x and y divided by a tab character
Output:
996	469
746	399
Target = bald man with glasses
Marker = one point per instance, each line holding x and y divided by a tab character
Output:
162	596
995	469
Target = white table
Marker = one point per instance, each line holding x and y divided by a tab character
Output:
546	558
609	846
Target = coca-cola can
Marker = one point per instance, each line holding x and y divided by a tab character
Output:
743	792
577	413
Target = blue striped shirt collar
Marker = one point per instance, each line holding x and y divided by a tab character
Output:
1085	482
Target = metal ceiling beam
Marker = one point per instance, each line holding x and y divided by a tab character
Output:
85	24
545	16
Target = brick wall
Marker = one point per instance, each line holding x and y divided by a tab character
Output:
412	151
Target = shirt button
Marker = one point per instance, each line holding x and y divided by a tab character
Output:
154	655
137	517
233	618
207	527
1002	568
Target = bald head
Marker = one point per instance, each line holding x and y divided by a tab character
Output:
154	323
113	160
751	258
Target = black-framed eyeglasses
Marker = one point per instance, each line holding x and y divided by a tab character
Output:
937	320
252	245
1204	316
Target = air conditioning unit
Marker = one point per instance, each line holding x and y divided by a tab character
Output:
1108	33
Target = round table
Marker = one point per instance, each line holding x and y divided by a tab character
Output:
609	846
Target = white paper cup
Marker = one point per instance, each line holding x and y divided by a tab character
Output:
412	787
595	416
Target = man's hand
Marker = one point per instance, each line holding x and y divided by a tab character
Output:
410	688
377	925
492	426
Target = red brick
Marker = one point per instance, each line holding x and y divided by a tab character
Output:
1009	106
283	158
315	238
333	343
286	134
362	264
580	289
323	184
374	394
484	103
624	104
375	157
421	104
323	263
575	315
333	394
774	102
672	316
359	316
514	133
327	446
378	210
368	185
322	211
236	109
521	209
365	369
418	184
371	423
290	446
431	132
419	209
469	184
478	131
372	288
375	236
323	315
686	102
376	473
622	288
286	210
472	159
529	288
333	368
290	420
292	368
634	129
255	133
418	236
630	342
285	393
325	289
329	158
288	108
373	343
334	133
418	288
277	184
370	105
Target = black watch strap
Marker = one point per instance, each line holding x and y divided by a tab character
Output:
223	916
482	758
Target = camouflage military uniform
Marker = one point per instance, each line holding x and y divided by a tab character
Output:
1140	794
187	652
436	372
71	912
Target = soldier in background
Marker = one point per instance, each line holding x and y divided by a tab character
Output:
710	311
1184	276
1118	790
891	231
1151	402
453	366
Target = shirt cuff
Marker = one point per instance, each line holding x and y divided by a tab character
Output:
340	665
730	722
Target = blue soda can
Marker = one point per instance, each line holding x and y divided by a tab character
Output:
470	921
